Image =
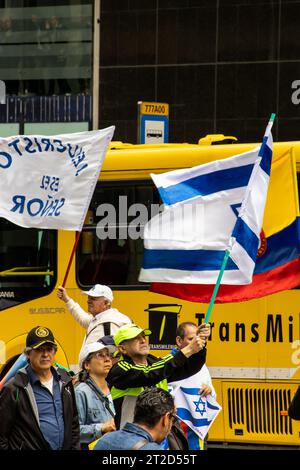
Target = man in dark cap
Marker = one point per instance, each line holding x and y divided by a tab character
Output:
37	406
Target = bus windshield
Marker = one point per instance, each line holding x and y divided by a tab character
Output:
27	263
110	250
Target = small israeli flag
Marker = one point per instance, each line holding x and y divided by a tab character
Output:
197	412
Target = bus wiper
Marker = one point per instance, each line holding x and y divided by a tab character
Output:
26	271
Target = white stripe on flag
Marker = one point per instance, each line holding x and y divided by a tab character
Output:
214	207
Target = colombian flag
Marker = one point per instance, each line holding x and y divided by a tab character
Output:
277	265
194	441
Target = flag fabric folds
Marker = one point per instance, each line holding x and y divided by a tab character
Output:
277	264
48	181
210	208
195	411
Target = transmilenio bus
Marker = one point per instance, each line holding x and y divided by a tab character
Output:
255	381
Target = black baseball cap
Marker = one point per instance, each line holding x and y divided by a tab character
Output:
39	335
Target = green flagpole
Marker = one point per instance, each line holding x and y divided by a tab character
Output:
224	263
216	288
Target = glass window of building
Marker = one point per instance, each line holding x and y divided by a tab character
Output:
46	49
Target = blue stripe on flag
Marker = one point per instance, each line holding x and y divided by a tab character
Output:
211	407
185	415
246	238
266	154
190	391
203	185
186	260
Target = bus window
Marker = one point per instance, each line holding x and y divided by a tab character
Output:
27	263
111	247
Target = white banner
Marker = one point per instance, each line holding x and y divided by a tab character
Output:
48	181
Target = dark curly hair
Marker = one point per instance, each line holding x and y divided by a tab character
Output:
151	405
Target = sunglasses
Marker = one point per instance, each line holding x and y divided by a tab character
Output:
173	417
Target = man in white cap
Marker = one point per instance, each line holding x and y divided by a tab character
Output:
102	319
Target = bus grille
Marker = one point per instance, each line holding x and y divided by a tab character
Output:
259	410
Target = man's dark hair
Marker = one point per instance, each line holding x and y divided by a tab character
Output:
181	328
151	405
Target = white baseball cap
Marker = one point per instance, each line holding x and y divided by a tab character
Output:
100	291
88	349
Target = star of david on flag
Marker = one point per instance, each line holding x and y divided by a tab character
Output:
200	406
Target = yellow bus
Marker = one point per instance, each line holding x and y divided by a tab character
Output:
255	381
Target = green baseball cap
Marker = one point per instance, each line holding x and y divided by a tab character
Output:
130	331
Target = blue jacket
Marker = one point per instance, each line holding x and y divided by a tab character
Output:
92	411
126	438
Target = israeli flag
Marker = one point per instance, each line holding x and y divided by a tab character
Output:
197	412
209	209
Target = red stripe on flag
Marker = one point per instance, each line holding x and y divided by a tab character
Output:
281	278
184	427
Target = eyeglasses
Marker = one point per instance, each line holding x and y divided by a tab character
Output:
173	417
47	349
101	355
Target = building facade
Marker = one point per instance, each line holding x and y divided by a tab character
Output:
46	63
222	65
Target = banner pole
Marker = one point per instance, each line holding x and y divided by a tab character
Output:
216	288
71	258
